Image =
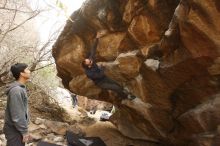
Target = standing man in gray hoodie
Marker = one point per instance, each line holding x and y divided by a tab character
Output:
16	113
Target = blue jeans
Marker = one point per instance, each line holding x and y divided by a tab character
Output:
109	84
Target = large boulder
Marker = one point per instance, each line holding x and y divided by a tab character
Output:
178	100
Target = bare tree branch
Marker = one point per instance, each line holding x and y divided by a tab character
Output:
10	25
6	1
19	25
11	9
24	21
43	67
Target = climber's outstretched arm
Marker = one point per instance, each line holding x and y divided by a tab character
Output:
93	50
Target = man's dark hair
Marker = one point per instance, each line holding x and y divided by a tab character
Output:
17	68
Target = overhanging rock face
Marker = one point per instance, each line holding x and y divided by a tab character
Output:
178	96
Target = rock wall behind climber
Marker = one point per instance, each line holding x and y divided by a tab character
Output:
163	52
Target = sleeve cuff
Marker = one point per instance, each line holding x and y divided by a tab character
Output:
24	133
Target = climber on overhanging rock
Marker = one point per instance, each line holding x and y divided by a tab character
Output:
97	75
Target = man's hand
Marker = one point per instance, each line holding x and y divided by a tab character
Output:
101	33
27	137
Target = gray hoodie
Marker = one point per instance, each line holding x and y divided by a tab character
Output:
16	113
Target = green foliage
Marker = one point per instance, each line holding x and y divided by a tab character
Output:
46	77
63	7
60	4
